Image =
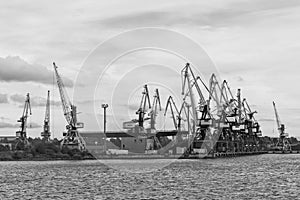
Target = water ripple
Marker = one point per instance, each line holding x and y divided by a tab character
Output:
251	177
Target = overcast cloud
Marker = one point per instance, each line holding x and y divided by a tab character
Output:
15	69
254	43
34	101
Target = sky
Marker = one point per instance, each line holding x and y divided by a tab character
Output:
253	44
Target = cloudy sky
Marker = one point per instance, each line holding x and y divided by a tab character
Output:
254	44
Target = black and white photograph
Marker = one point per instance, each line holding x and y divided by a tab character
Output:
136	99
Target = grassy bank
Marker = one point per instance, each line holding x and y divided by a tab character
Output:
40	150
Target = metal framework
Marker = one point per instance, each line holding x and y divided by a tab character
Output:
46	131
175	115
21	134
223	120
143	106
71	139
283	143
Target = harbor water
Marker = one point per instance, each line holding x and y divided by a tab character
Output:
268	176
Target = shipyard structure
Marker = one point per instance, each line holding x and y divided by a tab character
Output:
210	120
207	120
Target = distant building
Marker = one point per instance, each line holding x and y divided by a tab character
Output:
97	143
7	141
134	144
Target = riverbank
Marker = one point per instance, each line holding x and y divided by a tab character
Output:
26	156
39	150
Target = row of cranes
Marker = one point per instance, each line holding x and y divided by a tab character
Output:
21	135
210	115
217	120
71	137
146	112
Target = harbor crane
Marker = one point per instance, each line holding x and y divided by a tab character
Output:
230	102
283	143
174	113
179	117
143	106
190	83
199	119
215	93
21	134
136	126
46	132
72	138
250	120
156	106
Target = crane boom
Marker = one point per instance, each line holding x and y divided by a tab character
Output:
156	105
283	142
47	113
66	103
143	104
170	104
71	137
277	117
46	133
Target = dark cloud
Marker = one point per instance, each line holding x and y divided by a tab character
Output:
34	101
8	125
3	98
232	13
4	118
15	69
41	102
240	79
266	120
18	98
33	125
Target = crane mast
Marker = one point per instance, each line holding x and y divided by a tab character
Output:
71	139
143	105
21	134
46	132
155	107
230	103
279	125
66	103
214	88
171	104
283	143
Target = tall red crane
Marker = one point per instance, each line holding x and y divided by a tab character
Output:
21	134
71	139
283	143
46	131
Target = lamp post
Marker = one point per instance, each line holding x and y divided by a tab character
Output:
104	106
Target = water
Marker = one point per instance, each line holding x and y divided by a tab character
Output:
252	177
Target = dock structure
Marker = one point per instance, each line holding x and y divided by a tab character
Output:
210	122
220	122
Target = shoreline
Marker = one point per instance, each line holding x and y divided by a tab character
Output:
141	157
